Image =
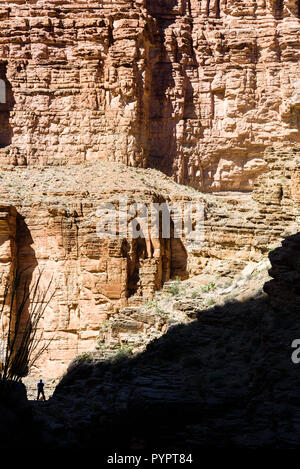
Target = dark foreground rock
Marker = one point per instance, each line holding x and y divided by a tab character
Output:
229	378
224	380
17	426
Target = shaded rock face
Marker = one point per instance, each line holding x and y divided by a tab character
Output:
196	88
17	426
92	277
283	289
224	380
8	261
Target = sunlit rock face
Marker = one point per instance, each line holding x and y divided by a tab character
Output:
206	91
53	232
196	88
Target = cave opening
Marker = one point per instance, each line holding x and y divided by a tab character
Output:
6	105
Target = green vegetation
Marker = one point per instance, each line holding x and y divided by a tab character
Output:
194	294
174	288
123	351
84	358
105	324
210	302
158	310
210	287
102	346
151	304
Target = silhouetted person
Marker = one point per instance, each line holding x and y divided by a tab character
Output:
40	387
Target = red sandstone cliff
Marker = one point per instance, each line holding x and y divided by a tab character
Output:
196	88
205	91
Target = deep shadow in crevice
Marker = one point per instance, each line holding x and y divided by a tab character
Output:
160	7
16	277
278	9
170	86
7	102
136	254
164	247
26	264
179	259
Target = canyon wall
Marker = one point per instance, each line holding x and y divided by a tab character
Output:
195	88
95	97
50	227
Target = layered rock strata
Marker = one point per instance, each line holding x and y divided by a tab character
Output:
56	234
197	89
204	91
53	230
